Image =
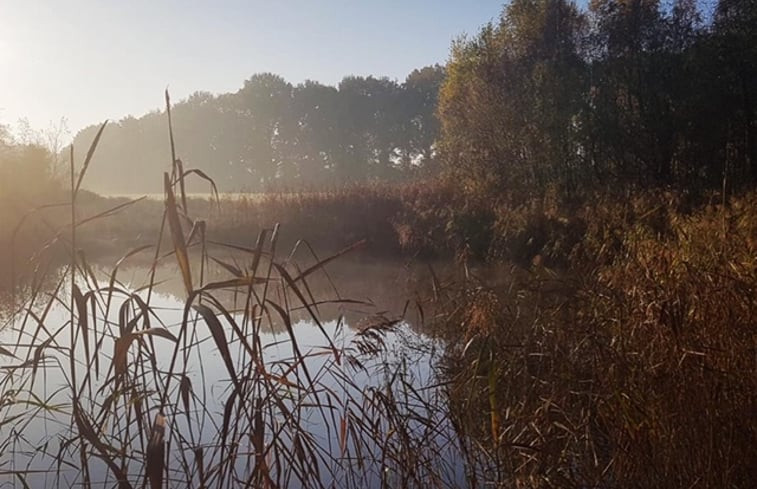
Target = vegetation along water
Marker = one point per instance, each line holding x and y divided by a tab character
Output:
533	266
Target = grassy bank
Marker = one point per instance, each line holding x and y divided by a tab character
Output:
633	366
618	350
424	219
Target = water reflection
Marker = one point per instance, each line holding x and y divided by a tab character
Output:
295	384
352	288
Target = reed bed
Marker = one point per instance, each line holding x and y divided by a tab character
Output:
120	392
634	367
617	349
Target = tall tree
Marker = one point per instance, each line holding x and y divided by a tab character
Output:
735	40
511	98
264	99
419	123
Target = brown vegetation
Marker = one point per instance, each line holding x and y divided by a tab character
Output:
633	367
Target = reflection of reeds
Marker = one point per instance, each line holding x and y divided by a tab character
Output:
134	415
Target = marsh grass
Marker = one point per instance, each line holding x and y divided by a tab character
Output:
634	367
128	399
618	349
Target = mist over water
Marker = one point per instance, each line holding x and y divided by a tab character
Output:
45	403
533	266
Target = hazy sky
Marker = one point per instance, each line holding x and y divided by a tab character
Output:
91	60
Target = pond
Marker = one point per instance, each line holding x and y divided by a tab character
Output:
271	374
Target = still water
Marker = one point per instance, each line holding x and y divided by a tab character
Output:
327	381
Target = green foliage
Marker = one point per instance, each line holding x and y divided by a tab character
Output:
627	92
508	105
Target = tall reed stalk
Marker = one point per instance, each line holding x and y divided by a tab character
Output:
131	399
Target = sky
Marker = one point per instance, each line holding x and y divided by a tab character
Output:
89	60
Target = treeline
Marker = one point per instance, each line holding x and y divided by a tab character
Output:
631	93
622	93
271	135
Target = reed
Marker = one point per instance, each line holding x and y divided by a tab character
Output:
634	367
617	349
124	390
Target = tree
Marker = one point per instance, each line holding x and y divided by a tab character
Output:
511	98
735	44
270	134
420	125
315	132
264	98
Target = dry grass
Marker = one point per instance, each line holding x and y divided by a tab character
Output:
128	399
618	350
635	367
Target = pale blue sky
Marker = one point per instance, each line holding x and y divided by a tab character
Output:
89	60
